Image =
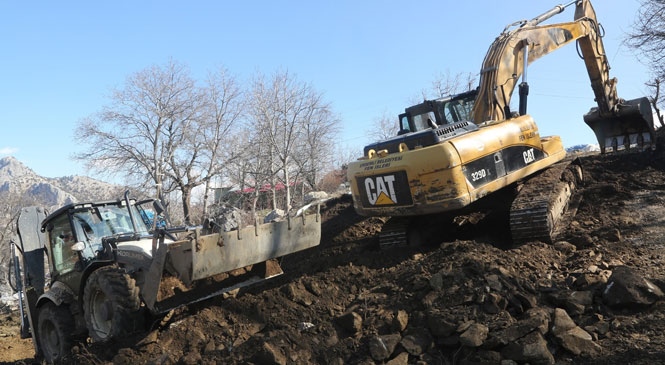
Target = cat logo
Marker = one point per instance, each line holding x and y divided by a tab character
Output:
529	156
381	190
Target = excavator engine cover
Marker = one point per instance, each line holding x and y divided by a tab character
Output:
629	128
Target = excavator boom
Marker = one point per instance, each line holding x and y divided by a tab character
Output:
618	124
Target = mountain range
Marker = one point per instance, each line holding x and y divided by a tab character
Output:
17	178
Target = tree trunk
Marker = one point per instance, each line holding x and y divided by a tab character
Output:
287	187
186	201
205	198
273	189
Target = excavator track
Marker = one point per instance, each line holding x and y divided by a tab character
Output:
394	233
545	203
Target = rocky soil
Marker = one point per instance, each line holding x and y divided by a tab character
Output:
594	297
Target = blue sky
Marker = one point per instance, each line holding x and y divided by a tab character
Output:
61	59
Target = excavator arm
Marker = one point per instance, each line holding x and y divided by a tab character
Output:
615	122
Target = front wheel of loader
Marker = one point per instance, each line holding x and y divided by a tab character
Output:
111	304
55	326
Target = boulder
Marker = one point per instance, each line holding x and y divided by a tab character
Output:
531	348
351	322
382	347
572	337
417	343
269	354
224	218
574	302
401	320
474	336
440	325
401	359
627	288
494	303
536	320
276	215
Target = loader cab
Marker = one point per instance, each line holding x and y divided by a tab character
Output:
65	262
76	235
432	114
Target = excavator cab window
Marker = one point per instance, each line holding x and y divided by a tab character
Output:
418	118
456	110
424	121
404	126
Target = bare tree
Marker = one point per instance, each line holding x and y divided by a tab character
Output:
138	132
446	84
222	107
648	38
314	150
251	170
285	113
161	129
654	100
383	127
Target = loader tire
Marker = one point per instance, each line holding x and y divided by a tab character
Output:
55	328
111	304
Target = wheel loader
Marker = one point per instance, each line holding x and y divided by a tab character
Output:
112	264
457	152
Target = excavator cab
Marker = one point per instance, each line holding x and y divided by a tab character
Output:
432	114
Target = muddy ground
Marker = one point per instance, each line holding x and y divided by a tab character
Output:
468	298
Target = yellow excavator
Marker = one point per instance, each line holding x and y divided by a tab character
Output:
453	152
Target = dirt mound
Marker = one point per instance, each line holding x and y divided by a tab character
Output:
471	299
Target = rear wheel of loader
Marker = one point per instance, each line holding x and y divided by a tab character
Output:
111	304
55	326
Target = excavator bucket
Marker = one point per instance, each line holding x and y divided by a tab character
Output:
629	129
210	265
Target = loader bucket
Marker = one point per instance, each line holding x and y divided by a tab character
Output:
629	129
209	265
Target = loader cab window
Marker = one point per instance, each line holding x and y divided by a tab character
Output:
90	229
62	239
151	216
115	220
